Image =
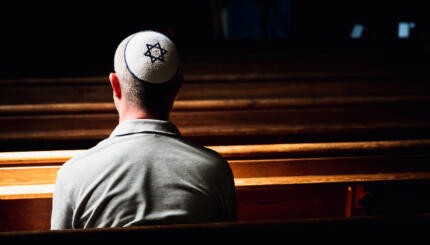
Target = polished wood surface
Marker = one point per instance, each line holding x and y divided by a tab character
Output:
220	127
306	137
255	203
247	151
235	100
43	184
275	181
218	104
272	164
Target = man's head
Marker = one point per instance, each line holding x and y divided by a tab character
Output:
146	78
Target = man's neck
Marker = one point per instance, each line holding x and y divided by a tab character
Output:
131	113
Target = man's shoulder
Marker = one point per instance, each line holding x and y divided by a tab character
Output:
200	150
135	148
77	162
209	160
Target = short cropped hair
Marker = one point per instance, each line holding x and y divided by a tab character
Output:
154	98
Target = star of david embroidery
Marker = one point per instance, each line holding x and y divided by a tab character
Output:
155	52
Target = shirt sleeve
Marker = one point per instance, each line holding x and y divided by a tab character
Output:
62	212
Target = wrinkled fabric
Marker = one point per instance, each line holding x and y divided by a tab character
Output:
144	173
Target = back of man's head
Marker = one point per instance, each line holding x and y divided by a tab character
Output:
147	66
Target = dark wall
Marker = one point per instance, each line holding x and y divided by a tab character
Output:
73	39
334	19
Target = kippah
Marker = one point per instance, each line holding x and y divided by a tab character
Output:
151	57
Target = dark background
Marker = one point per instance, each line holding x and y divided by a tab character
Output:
70	38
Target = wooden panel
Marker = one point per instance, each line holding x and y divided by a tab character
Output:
277	202
226	84
323	149
329	165
278	188
253	204
288	202
28	175
265	164
25	214
42	185
255	168
324	179
292	90
231	101
219	104
31	158
237	122
361	149
280	120
229	127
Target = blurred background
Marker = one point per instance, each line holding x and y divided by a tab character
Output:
70	38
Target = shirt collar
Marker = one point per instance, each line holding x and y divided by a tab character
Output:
145	126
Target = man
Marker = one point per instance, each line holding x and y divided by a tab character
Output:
145	172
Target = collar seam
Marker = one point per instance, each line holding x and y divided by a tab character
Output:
147	132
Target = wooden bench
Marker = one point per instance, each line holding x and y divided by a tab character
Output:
236	102
225	121
231	100
273	181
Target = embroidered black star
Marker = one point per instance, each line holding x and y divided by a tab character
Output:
157	55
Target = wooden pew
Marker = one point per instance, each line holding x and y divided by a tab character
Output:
225	121
63	90
32	211
244	102
235	100
391	228
273	181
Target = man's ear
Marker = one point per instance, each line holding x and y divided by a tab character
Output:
114	81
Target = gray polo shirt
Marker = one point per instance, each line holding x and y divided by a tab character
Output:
144	173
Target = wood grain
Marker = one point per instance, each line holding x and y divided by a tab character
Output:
351	178
27	190
354	121
267	188
233	102
294	170
248	151
230	126
218	104
28	176
279	202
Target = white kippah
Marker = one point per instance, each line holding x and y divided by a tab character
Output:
151	57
